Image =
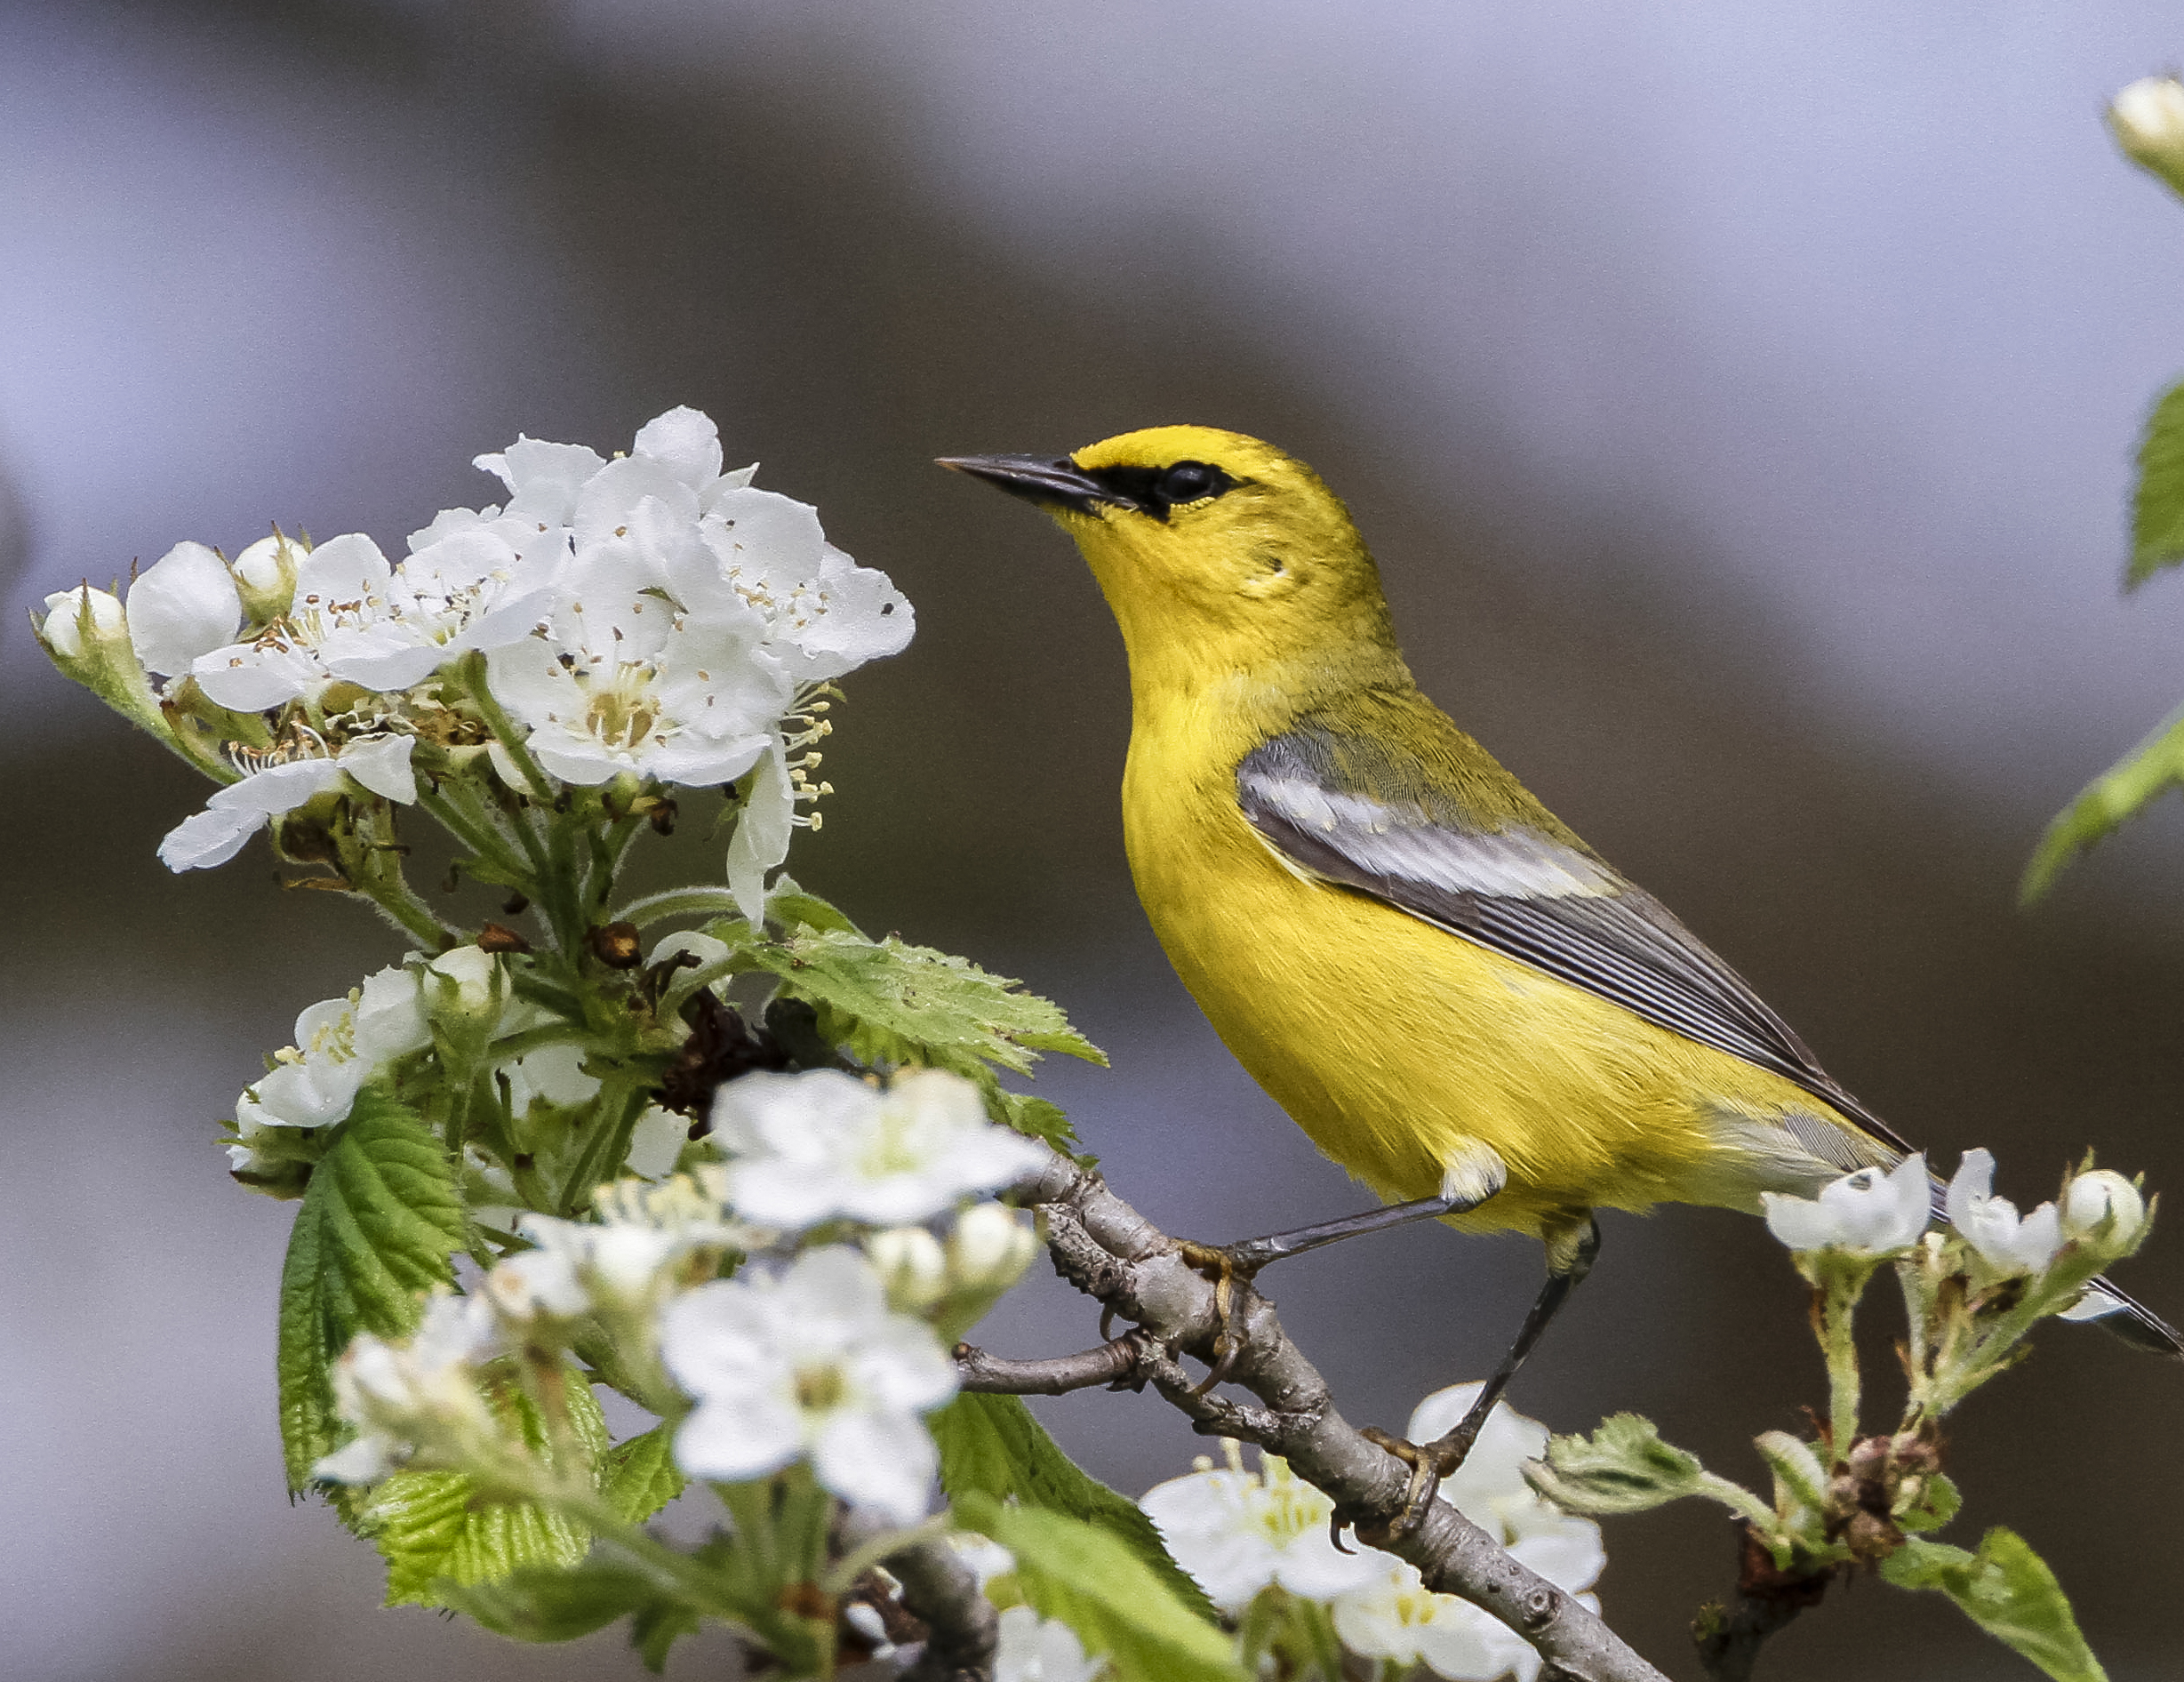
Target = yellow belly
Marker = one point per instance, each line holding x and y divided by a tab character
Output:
1393	1043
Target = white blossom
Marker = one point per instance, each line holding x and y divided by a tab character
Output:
183	606
811	1146
2008	1243
403	1392
1873	1212
1035	1649
380	764
340	1044
355	617
622	681
812	1362
638	1234
548	1074
1237	1533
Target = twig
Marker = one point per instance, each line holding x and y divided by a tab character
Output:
1768	1601
1116	1362
1111	1253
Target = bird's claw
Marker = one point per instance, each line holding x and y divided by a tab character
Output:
1227	1267
1430	1463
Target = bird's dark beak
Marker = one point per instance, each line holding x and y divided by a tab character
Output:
1050	482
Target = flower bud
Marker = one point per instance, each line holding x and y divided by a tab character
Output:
2147	118
2105	1207
265	574
911	1264
69	614
990	1248
465	992
85	633
469	980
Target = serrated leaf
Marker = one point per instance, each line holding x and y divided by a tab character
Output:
378	1221
537	1604
993	1446
1093	1583
2158	505
639	1477
437	1528
1035	1117
2113	797
889	1002
2007	1590
791	907
1622	1467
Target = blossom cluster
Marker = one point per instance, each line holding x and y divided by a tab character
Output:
1241	1534
1879	1212
649	617
828	1345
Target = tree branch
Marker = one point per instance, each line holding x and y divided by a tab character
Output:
1768	1601
1111	1253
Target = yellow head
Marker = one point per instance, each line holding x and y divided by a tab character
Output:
1218	554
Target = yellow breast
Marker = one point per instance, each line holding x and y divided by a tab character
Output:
1398	1047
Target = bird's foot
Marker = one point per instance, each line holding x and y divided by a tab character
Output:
1230	1268
1430	1463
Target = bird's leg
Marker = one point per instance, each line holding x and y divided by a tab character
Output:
1570	1258
1226	1265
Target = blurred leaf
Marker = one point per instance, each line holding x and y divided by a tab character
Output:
658	1627
2117	795
791	907
2157	506
2008	1592
639	1477
993	1446
1093	1583
378	1221
537	1603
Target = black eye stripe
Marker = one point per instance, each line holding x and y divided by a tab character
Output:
1154	490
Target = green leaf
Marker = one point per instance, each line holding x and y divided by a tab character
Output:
537	1603
2113	797
2007	1590
378	1221
1938	1502
889	1002
993	1446
639	1477
792	907
1077	1572
658	1627
438	1528
1036	1117
1622	1467
2157	506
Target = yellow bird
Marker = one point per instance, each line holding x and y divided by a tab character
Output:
1459	1000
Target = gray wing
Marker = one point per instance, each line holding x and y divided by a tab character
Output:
1520	892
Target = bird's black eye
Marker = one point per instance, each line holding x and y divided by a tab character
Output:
1189	482
1154	491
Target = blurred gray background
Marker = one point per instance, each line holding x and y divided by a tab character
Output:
1740	400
